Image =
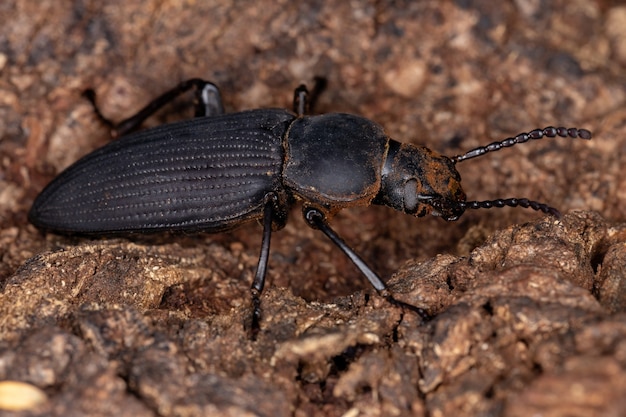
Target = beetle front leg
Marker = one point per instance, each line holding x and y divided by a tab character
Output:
317	220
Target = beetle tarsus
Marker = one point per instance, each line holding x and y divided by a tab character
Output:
417	310
254	325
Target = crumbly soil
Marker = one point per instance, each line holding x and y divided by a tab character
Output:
527	313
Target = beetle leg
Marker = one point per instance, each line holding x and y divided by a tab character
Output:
316	219
209	103
303	101
261	270
208	100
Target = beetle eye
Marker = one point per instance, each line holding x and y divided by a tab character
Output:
410	196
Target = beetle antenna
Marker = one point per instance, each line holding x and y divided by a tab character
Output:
511	202
550	132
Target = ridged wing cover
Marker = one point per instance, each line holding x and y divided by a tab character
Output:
206	174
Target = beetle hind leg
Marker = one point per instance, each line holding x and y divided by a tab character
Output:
208	99
208	103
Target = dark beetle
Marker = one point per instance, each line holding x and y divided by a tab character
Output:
216	172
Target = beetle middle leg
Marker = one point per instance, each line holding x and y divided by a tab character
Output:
208	103
271	213
317	220
303	100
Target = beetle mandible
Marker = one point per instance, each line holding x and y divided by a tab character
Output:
217	171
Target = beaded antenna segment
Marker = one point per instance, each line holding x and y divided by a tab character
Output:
550	132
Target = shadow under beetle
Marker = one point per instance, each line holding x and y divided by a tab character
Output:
217	171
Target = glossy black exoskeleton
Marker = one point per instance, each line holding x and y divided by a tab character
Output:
218	171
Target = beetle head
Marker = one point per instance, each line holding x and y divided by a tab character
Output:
418	181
